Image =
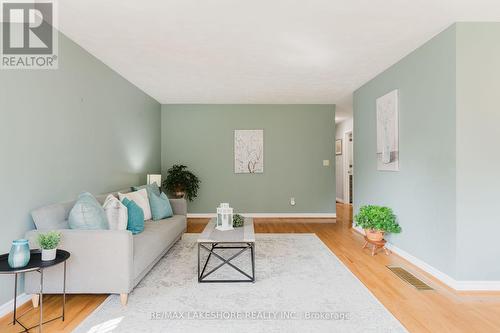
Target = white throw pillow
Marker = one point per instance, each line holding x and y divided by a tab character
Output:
116	213
141	199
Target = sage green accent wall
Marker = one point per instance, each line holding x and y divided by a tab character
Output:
422	193
79	128
297	138
447	192
478	159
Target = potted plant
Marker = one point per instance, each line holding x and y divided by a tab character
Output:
238	221
48	243
181	182
376	221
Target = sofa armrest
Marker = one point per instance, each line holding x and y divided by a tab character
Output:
101	262
179	206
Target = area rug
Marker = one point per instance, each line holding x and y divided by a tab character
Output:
301	286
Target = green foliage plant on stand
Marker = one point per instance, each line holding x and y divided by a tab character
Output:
376	221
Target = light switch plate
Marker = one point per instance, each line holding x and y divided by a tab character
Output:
326	162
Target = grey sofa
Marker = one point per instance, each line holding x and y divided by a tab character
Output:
103	261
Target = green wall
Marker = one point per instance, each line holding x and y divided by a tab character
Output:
478	159
297	138
422	193
447	192
79	128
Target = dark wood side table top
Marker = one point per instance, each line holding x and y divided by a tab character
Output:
35	262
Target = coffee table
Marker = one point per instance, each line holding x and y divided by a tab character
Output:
215	242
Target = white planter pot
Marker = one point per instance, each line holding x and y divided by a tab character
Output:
48	255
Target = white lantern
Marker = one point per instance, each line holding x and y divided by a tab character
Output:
151	179
224	217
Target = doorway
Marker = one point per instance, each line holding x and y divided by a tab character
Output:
348	168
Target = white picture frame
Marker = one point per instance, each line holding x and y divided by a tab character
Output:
249	151
387	107
338	147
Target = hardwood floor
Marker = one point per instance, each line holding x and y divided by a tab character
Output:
440	310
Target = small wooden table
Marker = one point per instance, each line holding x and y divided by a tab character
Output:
376	245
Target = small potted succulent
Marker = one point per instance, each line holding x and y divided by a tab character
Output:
48	243
238	221
181	182
376	221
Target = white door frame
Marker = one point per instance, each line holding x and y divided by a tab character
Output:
346	165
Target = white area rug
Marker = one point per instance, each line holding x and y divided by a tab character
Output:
301	286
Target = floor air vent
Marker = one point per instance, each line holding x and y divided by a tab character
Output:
410	278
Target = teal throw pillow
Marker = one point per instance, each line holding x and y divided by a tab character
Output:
87	213
135	222
149	188
160	206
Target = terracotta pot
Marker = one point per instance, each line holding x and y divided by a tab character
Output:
374	235
179	192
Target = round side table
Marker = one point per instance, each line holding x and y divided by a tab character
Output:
35	265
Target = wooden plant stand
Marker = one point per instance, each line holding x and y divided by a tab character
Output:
376	245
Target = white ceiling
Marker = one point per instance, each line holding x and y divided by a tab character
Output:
259	51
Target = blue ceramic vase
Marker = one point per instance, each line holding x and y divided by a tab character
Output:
19	254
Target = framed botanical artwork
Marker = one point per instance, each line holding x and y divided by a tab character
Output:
249	151
388	132
338	147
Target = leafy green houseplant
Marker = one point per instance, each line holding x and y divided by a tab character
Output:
181	182
376	220
48	243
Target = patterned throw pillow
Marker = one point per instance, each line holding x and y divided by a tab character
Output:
87	214
116	213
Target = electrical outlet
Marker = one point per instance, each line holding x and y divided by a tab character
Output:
292	201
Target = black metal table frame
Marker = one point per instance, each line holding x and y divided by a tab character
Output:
15	319
231	245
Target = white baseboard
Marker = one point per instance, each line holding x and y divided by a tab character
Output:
270	215
199	216
478	285
339	200
9	306
460	285
443	277
358	229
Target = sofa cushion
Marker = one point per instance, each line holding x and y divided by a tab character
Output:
141	199
155	239
87	214
53	216
135	221
116	213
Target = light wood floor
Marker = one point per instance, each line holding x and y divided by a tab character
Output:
441	310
